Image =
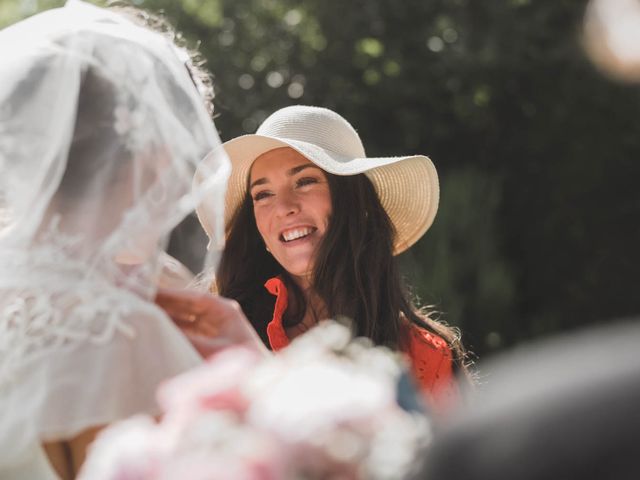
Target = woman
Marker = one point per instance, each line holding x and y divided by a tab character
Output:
101	128
312	228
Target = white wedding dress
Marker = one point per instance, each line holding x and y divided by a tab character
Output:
101	130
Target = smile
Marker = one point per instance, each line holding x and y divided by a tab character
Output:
296	233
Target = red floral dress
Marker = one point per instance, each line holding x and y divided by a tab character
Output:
430	356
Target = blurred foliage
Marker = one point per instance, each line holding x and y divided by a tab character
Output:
538	154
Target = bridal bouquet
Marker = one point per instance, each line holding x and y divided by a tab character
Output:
325	407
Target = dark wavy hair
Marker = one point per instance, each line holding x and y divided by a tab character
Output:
355	271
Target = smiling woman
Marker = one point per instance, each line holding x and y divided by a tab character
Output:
313	226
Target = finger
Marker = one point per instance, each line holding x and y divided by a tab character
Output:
206	326
202	330
194	302
175	299
209	346
178	306
208	330
178	313
186	318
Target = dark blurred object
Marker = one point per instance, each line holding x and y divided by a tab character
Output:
568	408
188	244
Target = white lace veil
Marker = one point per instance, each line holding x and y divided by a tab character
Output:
101	130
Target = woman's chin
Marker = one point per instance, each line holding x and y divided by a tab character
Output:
302	276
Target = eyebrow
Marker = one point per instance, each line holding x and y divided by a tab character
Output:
290	173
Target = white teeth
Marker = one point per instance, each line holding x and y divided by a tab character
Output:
296	233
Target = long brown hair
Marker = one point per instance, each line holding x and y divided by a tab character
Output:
355	271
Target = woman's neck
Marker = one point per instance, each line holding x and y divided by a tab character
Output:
304	282
315	311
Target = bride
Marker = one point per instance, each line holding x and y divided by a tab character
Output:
101	128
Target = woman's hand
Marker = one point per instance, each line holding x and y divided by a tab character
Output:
210	323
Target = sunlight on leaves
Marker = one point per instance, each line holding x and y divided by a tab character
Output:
370	46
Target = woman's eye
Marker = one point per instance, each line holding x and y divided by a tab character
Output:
260	195
306	181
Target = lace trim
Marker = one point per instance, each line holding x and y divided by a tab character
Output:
35	323
50	302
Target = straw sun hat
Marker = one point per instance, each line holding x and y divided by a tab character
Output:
406	186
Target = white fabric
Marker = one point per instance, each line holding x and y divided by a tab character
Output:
101	130
31	464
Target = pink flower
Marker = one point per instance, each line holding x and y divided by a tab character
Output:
215	385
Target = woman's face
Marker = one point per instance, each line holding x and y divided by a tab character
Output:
292	206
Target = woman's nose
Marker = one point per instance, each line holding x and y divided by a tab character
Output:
288	204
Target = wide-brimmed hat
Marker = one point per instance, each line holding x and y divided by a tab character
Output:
406	186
